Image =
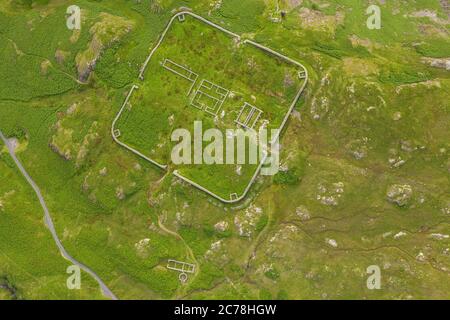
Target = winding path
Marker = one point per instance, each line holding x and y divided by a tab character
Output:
48	220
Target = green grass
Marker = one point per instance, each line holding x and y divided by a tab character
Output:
244	16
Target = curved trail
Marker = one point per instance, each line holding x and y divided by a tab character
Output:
48	220
188	249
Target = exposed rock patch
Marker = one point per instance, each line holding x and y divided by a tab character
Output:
246	223
317	21
141	246
443	63
221	226
329	195
303	213
399	194
107	31
331	242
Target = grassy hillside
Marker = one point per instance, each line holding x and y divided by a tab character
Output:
31	266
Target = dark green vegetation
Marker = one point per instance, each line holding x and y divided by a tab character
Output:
366	177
